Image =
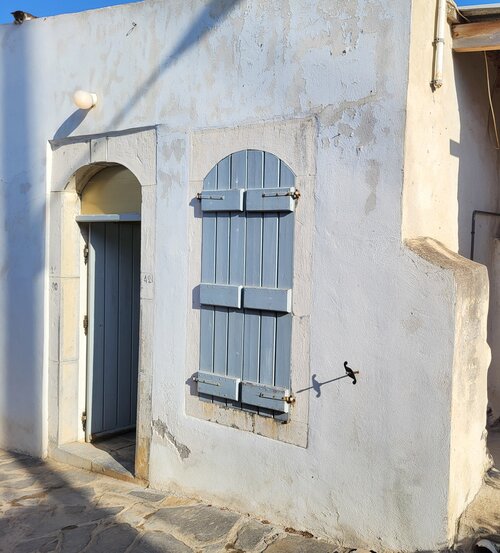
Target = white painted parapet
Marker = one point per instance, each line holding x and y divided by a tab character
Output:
466	380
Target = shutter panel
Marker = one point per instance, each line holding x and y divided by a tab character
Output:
207	314
236	317
285	280
246	290
221	314
253	268
268	280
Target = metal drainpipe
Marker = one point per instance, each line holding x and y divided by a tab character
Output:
473	231
437	80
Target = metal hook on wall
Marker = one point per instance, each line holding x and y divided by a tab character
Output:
350	373
316	385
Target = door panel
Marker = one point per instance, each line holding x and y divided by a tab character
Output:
113	310
124	338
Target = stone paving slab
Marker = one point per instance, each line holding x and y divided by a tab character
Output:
48	507
481	519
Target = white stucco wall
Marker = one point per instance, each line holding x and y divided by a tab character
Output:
450	171
376	469
451	161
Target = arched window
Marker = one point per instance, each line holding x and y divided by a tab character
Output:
248	203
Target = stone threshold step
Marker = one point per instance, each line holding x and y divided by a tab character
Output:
88	457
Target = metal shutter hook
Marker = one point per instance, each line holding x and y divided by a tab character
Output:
350	373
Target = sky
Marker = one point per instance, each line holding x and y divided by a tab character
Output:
476	2
51	7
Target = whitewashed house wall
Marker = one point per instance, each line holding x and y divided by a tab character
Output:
329	88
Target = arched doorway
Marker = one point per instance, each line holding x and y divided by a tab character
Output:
110	206
110	220
95	181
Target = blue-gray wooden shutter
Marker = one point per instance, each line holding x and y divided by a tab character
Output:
246	282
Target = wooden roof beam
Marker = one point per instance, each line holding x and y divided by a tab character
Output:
476	37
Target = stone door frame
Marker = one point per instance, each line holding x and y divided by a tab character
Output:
72	162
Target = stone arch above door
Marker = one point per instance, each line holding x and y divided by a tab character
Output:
134	150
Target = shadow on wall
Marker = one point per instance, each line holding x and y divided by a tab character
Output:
211	15
22	206
71	123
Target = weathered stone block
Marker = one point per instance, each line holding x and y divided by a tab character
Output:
159	542
201	523
251	534
298	544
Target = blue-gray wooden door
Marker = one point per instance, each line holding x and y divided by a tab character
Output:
113	327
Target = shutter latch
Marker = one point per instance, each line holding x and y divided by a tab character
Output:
85	325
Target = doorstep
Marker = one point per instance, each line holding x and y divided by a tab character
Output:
88	457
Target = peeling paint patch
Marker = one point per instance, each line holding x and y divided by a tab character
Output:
162	430
177	147
372	178
412	324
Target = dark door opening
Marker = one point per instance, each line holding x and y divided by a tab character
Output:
113	337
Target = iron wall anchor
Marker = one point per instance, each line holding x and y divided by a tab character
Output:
350	373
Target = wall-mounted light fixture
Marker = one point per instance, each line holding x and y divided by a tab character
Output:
84	99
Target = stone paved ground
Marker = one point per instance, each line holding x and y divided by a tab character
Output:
482	518
48	507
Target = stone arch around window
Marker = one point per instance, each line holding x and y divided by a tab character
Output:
291	143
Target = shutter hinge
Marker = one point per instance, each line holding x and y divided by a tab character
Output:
86	324
84	421
201	381
200	196
294	194
287	398
86	253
